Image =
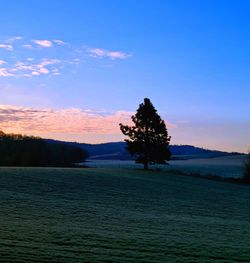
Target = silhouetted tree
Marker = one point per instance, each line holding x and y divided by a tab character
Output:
246	177
148	138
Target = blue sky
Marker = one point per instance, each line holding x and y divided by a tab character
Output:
93	62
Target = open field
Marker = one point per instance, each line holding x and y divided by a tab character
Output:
120	215
227	166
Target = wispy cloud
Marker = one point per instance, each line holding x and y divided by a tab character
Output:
7	47
33	61
79	121
102	53
28	46
25	119
29	68
59	42
37	69
4	72
43	43
13	39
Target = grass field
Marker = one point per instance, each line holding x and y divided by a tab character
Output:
120	215
227	166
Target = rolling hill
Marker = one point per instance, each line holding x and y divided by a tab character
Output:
118	151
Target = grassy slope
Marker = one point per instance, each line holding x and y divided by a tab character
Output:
124	215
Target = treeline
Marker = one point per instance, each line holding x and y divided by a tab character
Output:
19	150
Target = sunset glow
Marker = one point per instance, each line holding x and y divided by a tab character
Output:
75	72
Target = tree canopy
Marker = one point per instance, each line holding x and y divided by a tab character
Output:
246	177
19	150
148	137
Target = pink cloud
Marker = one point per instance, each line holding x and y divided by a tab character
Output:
65	124
27	120
43	43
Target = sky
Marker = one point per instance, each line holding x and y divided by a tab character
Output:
73	70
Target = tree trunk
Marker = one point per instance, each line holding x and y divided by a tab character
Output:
146	148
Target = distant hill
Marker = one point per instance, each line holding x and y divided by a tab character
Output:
118	151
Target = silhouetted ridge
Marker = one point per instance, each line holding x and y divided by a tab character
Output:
117	151
20	150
